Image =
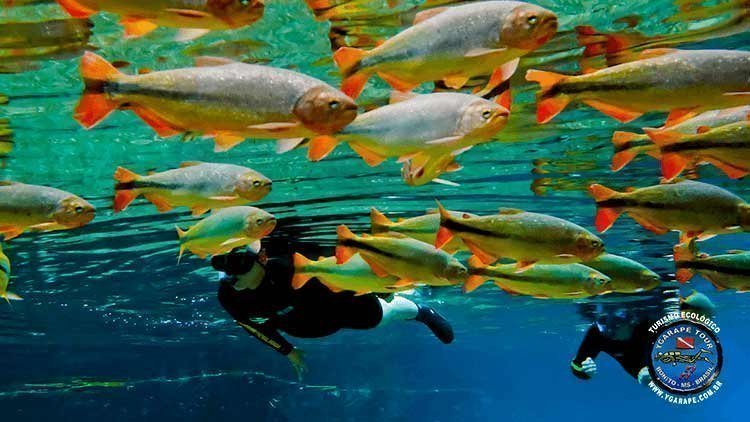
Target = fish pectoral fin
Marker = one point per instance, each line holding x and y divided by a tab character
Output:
404	282
231	241
679	115
443	141
650	225
440	181
376	268
522	266
500	75
189	13
478	52
274	126
198	211
484	256
456	81
737	94
565	256
160	125
372	158
255	246
224	141
135	27
225	198
161	203
397	83
45	226
320	146
286	145
10	232
189	34
618	113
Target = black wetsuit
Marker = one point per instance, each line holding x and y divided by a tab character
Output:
310	312
632	354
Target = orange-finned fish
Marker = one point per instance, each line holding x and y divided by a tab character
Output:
728	271
354	275
726	147
423	228
229	101
198	186
40	208
696	209
226	229
452	44
525	237
628	145
684	82
139	17
408	259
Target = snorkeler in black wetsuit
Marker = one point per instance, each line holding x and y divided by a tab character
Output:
258	294
624	336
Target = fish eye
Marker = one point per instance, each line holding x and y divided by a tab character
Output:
486	114
596	243
532	20
334	104
259	221
244	2
256	183
79	209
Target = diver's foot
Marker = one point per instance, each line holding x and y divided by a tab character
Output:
436	323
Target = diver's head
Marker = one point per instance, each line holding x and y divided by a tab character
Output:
238	261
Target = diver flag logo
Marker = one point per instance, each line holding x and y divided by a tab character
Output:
685	342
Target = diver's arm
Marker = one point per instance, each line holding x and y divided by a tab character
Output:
583	365
268	335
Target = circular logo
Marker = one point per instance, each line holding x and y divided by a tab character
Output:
685	357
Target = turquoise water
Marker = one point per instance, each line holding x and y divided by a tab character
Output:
112	327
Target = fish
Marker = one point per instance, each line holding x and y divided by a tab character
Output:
451	44
726	147
683	82
226	229
40	208
22	36
5	278
693	208
526	237
566	281
628	145
195	17
196	185
699	302
353	275
228	101
627	276
431	170
407	259
418	129
423	228
726	271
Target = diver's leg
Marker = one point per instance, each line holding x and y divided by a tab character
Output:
400	308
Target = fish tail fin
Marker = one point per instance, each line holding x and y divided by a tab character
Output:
75	9
444	234
344	253
378	221
348	60
548	106
474	280
663	137
622	157
299	279
683	275
672	165
605	217
124	190
95	104
320	147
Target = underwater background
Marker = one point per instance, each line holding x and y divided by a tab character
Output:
111	327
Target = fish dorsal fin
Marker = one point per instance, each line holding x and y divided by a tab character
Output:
399	96
208	61
735	252
509	211
7	183
427	14
190	164
431	211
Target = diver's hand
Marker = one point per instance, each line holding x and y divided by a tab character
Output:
644	377
296	357
589	367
